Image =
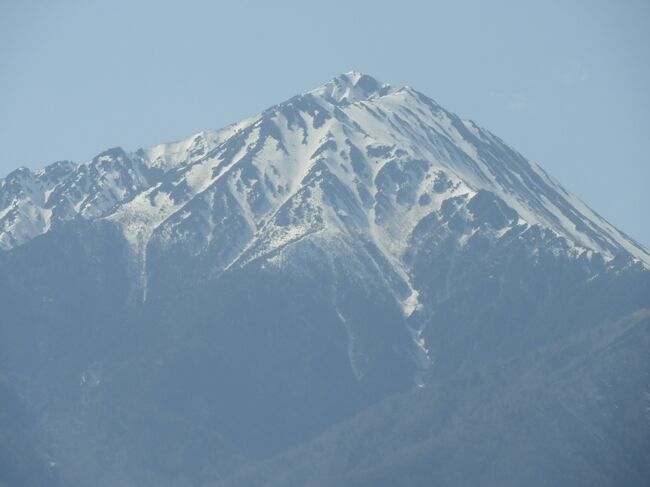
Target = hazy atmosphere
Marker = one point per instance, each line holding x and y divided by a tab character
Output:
565	83
340	244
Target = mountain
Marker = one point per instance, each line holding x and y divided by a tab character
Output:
173	316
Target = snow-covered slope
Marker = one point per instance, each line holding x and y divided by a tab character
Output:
352	156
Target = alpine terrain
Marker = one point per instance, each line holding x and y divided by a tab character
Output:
355	287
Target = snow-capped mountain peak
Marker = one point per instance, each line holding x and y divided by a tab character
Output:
351	87
353	156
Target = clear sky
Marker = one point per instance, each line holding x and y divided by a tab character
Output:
567	83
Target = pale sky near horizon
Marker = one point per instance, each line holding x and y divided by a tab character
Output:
564	82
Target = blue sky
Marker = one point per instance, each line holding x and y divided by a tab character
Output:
564	82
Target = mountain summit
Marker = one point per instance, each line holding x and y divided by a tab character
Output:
355	128
178	314
351	87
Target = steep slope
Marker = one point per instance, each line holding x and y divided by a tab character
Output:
573	413
176	313
357	129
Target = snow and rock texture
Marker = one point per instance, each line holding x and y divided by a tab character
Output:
388	156
244	290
